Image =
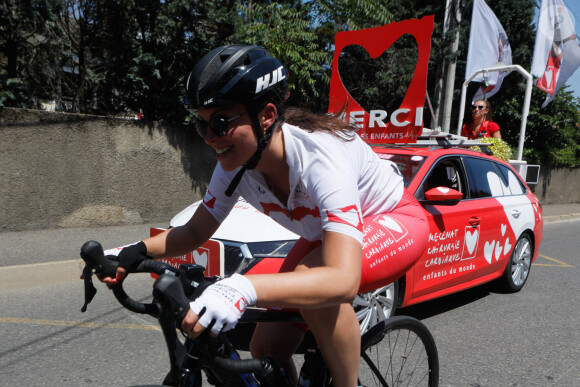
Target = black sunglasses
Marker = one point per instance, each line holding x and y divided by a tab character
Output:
480	107
218	125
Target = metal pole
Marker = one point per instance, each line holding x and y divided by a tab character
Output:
450	77
525	111
449	86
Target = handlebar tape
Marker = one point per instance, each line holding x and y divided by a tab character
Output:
93	255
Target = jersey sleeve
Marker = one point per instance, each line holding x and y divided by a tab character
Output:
215	199
333	186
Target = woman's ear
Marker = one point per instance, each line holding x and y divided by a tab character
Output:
268	115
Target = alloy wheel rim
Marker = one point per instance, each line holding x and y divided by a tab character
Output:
374	306
521	262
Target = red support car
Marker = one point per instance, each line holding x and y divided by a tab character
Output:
485	225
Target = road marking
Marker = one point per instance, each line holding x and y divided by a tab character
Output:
82	324
556	262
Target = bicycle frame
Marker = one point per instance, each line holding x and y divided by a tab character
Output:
218	356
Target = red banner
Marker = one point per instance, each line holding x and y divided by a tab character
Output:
376	126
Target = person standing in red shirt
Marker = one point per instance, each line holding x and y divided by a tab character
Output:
482	124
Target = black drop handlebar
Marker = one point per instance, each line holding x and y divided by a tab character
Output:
172	292
106	266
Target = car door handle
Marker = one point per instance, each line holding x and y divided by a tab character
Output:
516	214
474	221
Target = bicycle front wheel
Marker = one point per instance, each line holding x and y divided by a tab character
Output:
399	352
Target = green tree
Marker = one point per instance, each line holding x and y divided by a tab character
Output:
149	55
24	30
287	32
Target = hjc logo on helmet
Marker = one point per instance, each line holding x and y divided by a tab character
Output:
263	83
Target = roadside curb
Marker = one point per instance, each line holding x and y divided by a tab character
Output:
51	273
40	274
561	218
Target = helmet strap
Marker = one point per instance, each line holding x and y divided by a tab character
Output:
263	141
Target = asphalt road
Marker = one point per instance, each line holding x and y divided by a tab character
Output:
485	338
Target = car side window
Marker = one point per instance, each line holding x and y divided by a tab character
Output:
513	182
484	179
445	173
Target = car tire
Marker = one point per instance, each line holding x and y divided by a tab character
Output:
377	305
518	267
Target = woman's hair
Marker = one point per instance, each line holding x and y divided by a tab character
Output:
488	115
311	122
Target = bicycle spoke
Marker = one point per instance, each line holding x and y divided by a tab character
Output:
401	358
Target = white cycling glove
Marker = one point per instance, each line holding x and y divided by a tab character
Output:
225	302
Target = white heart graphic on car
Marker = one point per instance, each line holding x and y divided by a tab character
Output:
503	228
498	249
200	259
471	240
443	189
507	247
488	251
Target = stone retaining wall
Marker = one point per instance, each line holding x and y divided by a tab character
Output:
70	170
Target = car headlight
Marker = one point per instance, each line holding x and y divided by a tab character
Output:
241	257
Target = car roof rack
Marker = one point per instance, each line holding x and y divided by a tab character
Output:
436	138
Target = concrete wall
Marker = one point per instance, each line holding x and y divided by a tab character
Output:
68	170
558	185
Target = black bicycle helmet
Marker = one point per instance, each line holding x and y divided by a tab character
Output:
236	73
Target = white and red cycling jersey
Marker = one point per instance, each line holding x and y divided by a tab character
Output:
334	184
340	186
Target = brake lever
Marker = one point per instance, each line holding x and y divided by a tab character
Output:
94	256
168	290
95	262
90	289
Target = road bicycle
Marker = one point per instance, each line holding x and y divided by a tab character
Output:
394	352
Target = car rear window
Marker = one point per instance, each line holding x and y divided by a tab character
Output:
490	179
407	164
514	184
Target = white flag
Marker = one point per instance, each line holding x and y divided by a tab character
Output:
556	52
488	47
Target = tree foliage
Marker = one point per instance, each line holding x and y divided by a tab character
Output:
117	56
24	46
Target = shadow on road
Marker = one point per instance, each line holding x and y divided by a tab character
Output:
444	304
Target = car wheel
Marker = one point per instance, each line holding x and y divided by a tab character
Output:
377	305
518	267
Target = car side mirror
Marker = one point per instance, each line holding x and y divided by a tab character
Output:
443	194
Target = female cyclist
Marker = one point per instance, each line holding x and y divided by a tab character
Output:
360	229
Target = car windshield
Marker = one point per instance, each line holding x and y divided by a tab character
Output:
408	164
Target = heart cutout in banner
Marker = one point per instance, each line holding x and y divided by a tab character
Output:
405	123
358	70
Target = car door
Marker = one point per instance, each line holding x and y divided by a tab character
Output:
506	211
453	232
518	204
